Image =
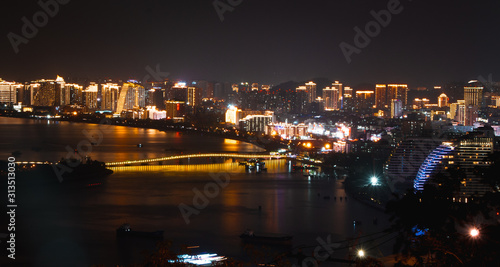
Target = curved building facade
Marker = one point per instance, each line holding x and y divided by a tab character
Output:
432	164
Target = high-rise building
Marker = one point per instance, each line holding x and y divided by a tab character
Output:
495	101
471	115
210	91
301	97
330	98
75	93
396	108
109	96
178	92
402	166
63	92
460	113
311	92
43	93
365	99
255	123
194	96
131	95
9	91
348	101
54	93
398	91
460	160
175	109
454	108
90	95
381	96
443	100
473	95
340	98
233	115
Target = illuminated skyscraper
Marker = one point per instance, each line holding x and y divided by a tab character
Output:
255	123
330	98
398	91
396	108
63	92
473	95
43	93
311	92
131	95
454	107
464	156
471	115
340	99
443	100
381	96
175	109
109	94
348	98
233	115
365	99
194	96
9	91
178	92
301	99
90	95
75	92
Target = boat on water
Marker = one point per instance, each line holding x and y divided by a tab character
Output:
266	238
125	231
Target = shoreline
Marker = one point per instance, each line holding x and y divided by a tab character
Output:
174	128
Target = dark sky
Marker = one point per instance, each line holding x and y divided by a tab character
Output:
263	41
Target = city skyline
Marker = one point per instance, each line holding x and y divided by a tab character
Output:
423	43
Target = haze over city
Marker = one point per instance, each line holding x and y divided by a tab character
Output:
270	42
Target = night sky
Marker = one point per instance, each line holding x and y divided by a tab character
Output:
427	43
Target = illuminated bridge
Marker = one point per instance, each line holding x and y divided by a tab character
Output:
142	161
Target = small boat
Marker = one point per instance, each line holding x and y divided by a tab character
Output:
125	231
266	238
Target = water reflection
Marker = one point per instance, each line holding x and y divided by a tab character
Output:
50	141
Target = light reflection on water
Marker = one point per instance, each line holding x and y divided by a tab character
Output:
148	197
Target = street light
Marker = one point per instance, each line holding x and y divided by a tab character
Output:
361	253
374	181
474	232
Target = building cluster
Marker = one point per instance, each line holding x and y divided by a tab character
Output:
414	131
130	99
